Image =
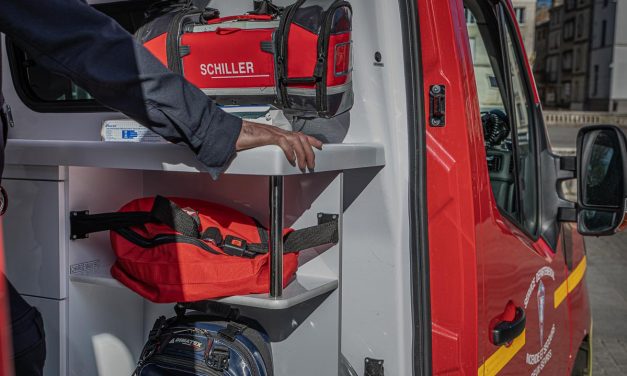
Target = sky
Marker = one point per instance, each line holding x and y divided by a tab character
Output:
544	2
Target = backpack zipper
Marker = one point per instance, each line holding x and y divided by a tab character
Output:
281	51
173	39
322	65
163	239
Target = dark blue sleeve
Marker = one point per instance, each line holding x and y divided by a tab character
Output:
74	40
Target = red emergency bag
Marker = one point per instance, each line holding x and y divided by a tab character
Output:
186	250
296	58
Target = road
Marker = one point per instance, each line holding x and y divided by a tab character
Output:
607	284
564	137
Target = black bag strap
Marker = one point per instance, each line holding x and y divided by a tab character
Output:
266	7
199	4
326	232
166	212
163	211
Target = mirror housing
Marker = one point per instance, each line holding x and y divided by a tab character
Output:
601	180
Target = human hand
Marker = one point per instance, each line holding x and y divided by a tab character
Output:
297	147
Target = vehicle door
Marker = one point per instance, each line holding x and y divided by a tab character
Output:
523	328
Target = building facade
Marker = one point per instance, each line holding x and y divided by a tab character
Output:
585	66
526	16
618	94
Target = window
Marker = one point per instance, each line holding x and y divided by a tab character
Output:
567	61
44	91
566	92
595	85
580	25
524	143
520	15
470	19
603	32
507	114
569	30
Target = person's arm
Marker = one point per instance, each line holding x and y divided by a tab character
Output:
74	40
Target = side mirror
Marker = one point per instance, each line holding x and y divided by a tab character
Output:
601	180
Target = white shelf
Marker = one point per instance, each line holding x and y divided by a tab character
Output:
302	289
264	161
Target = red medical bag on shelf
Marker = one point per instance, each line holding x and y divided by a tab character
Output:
186	250
296	58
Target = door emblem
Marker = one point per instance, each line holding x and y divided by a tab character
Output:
540	359
541	310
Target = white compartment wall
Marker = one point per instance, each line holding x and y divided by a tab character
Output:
376	241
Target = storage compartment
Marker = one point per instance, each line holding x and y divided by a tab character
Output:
54	313
35	245
309	303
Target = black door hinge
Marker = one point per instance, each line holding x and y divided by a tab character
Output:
373	367
437	105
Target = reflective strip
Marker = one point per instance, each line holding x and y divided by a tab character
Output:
270	90
497	361
331	90
570	283
246	25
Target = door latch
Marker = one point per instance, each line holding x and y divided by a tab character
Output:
437	105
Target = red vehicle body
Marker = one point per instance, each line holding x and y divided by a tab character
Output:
4	318
479	261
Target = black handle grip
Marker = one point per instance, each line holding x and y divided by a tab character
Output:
507	331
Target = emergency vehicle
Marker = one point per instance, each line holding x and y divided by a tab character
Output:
458	253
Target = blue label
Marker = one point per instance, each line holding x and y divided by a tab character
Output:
129	134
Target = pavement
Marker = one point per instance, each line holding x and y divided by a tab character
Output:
607	286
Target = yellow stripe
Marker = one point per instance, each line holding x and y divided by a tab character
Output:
560	294
570	283
495	363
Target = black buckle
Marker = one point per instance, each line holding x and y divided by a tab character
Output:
235	246
212	234
219	357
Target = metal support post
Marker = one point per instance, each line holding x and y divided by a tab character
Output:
276	236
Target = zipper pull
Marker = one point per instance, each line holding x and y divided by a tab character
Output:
9	115
319	71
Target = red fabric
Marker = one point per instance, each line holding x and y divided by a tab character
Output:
302	55
158	48
181	272
231	58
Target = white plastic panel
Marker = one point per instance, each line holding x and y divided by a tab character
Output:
34	224
106	331
54	313
267	160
